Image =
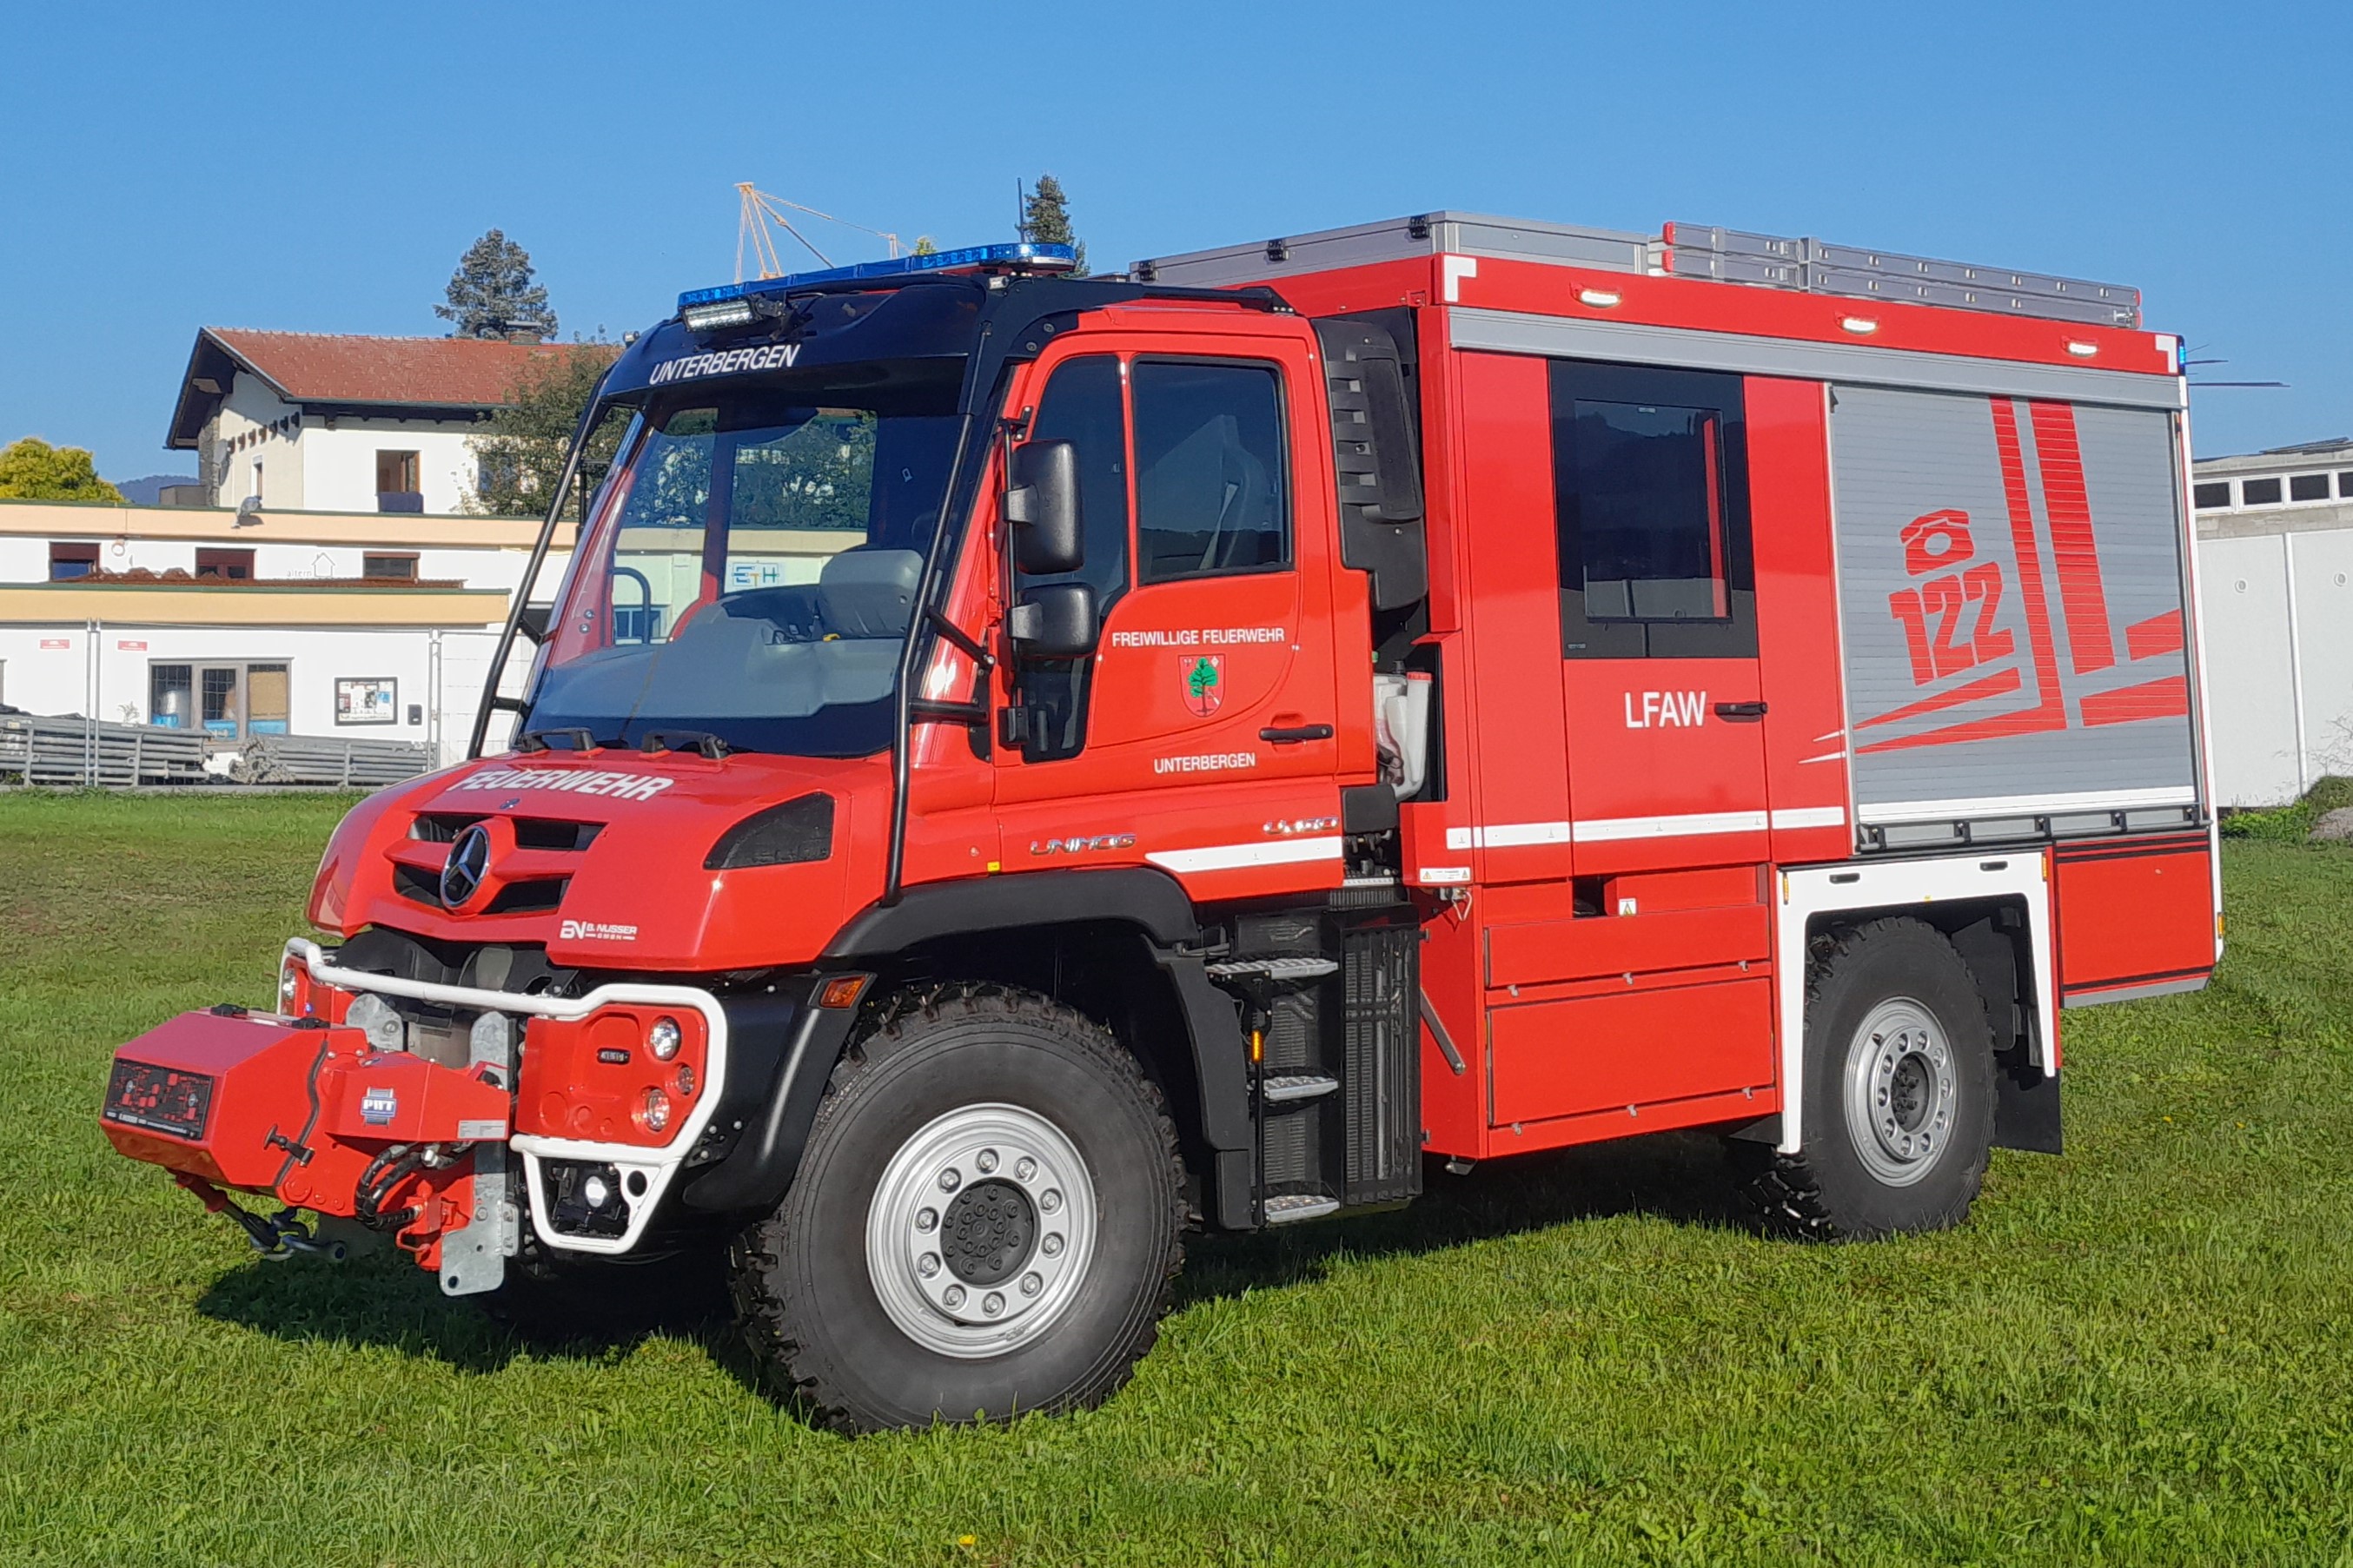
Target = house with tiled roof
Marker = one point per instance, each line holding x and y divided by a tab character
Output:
319	422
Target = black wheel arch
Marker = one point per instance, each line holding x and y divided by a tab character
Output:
1116	944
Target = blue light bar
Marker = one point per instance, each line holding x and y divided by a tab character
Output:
1044	257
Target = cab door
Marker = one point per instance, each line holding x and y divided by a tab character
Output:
1200	736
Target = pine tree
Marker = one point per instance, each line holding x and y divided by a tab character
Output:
1046	220
492	294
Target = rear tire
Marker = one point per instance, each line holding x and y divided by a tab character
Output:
1898	1091
987	1221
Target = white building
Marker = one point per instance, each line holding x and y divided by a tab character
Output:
2275	567
322	423
319	623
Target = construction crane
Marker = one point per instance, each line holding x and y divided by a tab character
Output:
759	209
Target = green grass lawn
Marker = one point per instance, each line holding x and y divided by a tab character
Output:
2141	1353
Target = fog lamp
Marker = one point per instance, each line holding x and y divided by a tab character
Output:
655	1112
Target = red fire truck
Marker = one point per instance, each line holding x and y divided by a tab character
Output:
1019	766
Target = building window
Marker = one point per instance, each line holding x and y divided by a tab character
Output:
236	566
67	562
2207	498
267	708
396	483
170	694
2307	487
256	492
227	701
1651	504
375	565
1212	487
2259	492
2345	486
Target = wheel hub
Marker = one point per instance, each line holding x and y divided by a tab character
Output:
1902	1092
988	1231
981	1231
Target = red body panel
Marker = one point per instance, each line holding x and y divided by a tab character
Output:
1616	1054
2134	915
1798	622
1520	789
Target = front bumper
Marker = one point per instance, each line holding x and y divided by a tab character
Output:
303	1109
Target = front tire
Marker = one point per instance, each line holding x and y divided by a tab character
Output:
987	1221
1899	1092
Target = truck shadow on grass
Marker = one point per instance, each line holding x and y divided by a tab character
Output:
383	1300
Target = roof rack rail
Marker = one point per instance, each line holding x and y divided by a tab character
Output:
1682	250
1733	256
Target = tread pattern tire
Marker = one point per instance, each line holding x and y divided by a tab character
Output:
1823	1193
804	1299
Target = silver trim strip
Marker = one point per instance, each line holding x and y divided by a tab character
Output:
658	1165
1897	811
1508	331
2134	993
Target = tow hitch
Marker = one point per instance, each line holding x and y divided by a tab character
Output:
276	1237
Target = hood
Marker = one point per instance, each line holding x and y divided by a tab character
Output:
607	858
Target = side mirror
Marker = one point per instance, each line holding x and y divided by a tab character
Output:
1041	502
1055	620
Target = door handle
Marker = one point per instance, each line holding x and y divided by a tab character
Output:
1740	710
1292	735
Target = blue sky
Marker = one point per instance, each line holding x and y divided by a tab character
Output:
321	168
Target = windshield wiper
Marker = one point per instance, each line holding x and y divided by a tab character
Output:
582	739
702	741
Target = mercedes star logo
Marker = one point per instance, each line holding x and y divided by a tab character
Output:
468	863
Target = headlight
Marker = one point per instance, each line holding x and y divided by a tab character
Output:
664	1039
372	1017
798	831
655	1112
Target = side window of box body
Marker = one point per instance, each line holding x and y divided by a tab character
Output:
1650	505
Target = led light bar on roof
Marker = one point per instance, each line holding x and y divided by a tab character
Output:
1025	254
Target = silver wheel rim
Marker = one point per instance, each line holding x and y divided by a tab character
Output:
1902	1093
981	1231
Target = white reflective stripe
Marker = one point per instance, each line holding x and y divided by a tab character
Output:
2027	804
1599	830
1506	835
1789	816
1235	856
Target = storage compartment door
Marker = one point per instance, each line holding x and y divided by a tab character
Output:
2011	603
2134	918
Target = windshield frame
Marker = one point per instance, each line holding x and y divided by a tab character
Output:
920	418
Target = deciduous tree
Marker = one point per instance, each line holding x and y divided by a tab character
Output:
521	455
32	469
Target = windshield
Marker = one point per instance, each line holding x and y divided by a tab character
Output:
751	573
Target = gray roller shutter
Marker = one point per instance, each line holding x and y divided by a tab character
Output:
2010	591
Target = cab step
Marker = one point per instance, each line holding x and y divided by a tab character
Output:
1294	1208
1284	1088
1277	969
